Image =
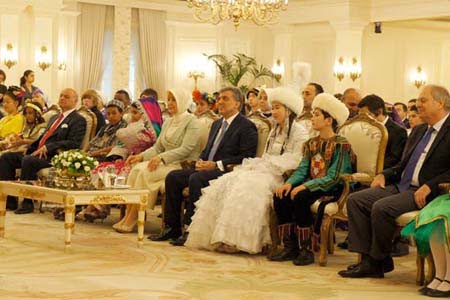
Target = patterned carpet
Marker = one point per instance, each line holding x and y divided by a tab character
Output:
103	264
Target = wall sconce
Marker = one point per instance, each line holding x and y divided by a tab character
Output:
196	75
278	70
339	69
419	77
354	69
43	60
10	56
62	66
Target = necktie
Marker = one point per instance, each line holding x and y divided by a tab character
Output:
51	130
408	173
216	144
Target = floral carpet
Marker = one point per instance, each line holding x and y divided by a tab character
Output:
103	264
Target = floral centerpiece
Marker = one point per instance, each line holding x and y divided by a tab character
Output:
74	163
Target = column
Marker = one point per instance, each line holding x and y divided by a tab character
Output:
121	47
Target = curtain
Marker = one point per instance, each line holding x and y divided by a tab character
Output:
90	39
152	44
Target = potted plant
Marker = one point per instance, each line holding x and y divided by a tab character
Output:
238	67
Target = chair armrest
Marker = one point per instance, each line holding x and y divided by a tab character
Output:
346	179
362	178
444	188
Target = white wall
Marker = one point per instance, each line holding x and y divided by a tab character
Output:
390	57
187	41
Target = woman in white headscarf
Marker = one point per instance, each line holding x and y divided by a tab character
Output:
233	211
178	141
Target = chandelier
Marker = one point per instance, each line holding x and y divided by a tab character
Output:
261	12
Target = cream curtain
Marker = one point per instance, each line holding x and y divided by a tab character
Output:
90	38
151	65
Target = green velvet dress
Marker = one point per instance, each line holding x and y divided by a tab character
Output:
434	216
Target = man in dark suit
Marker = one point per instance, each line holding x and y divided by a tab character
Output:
64	131
231	139
407	186
374	106
402	111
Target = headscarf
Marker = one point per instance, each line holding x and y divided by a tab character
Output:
151	112
183	99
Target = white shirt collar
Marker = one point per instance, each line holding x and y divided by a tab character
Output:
385	121
439	124
230	119
66	113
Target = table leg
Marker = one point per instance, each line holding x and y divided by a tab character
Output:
68	225
141	220
2	214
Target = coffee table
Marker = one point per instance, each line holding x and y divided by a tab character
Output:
70	198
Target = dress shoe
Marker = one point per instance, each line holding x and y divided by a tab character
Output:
304	258
11	204
166	234
180	240
23	210
388	265
369	268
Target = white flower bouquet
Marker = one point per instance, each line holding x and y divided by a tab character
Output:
74	163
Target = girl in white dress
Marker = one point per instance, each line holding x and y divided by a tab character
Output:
233	211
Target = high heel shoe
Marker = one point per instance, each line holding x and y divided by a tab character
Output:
125	228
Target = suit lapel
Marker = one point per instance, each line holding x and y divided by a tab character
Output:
231	128
419	137
444	130
214	129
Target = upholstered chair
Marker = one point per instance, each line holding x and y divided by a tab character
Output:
51	111
91	125
263	126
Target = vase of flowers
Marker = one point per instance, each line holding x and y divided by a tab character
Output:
73	169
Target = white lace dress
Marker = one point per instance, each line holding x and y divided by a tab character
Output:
234	209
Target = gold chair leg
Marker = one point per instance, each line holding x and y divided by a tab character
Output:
420	275
324	233
431	271
331	236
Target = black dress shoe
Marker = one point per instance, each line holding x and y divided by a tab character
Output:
23	210
166	234
180	240
369	268
388	265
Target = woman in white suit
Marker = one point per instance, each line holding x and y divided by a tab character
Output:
178	141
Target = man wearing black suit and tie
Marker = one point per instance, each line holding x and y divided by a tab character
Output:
64	131
407	186
374	106
231	139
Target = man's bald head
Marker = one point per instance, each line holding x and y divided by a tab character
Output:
68	99
351	99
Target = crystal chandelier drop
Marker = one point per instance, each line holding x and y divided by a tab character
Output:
261	12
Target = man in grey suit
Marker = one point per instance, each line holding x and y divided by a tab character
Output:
407	186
